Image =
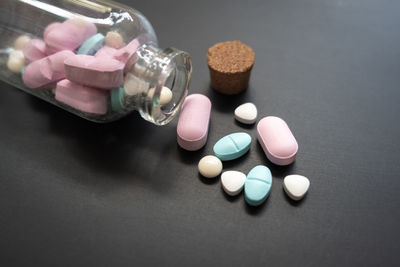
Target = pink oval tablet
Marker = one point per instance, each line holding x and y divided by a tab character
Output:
46	71
99	72
83	98
193	122
34	50
277	140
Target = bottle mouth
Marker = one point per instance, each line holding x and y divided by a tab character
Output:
165	96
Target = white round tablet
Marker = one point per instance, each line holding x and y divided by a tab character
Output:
114	39
16	61
165	95
210	166
21	41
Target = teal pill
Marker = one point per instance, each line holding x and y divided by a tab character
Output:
232	146
257	185
91	45
23	70
116	99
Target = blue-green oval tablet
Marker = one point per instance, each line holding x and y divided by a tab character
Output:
232	146
257	185
91	45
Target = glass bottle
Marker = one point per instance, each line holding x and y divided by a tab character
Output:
154	81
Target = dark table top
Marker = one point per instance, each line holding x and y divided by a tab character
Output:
75	193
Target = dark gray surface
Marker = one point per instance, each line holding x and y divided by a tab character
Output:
74	193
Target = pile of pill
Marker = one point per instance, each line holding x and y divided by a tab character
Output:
83	68
273	134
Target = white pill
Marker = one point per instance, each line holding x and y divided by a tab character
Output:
165	95
21	41
210	166
134	85
114	40
296	186
246	113
16	61
232	182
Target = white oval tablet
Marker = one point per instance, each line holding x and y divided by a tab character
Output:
232	182
296	186
210	166
165	95
246	113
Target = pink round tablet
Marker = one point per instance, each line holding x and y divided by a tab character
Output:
193	122
277	140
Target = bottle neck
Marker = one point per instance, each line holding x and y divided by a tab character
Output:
157	83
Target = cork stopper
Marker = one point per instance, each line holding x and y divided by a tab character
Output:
230	64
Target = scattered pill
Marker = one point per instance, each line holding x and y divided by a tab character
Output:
16	61
21	41
277	140
192	129
246	113
116	99
35	49
69	35
232	182
98	72
296	186
114	39
232	146
46	71
165	95
257	185
91	45
83	98
210	166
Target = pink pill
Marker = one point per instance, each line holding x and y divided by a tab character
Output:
49	28
44	72
193	122
99	72
83	98
127	54
34	50
68	35
106	51
277	140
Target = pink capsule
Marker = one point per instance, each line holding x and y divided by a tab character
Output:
44	72
277	140
193	122
83	98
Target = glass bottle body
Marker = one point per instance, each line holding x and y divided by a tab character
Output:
151	80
